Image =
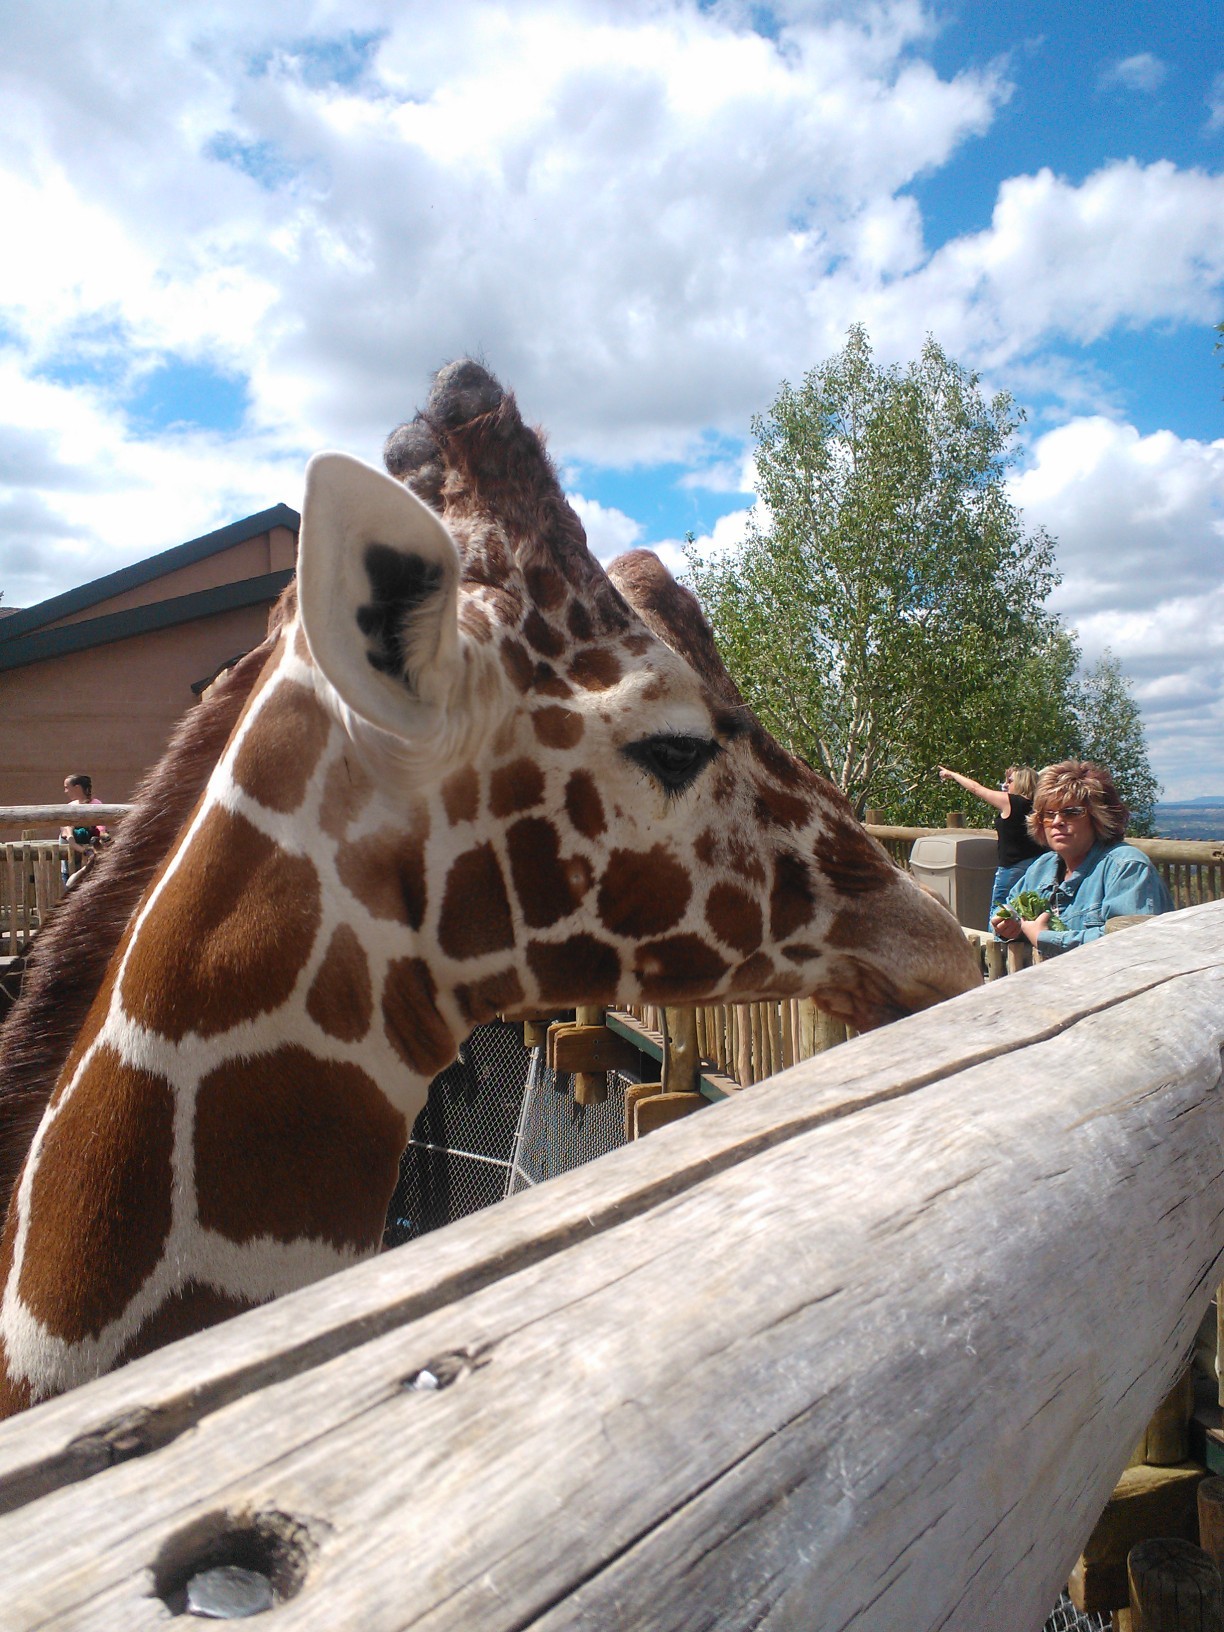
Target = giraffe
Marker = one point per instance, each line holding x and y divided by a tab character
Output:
469	773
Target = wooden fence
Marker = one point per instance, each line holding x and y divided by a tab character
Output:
31	882
865	1349
32	869
1193	869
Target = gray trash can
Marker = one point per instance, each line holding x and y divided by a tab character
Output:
959	867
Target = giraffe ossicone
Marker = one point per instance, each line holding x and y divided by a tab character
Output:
471	773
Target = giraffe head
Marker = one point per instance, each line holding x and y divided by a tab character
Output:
610	821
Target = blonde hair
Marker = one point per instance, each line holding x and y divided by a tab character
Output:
1080	782
1023	780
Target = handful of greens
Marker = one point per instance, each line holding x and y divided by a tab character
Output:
1030	904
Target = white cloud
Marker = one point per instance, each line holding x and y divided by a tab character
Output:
1132	244
610	532
65	519
1140	527
643	213
727	533
1142	72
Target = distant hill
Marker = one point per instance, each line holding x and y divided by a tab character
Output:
1201	818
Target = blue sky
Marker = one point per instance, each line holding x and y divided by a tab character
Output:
238	234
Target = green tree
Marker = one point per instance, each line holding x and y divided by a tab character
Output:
890	613
1111	732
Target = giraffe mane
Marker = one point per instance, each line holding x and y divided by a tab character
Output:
74	949
470	456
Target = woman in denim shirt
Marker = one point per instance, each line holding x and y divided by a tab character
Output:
1088	874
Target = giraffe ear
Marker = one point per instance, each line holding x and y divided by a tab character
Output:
378	579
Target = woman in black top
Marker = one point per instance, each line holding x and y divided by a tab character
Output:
1012	801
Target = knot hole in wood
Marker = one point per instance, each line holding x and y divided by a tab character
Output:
274	1544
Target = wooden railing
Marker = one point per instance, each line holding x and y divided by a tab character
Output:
1193	869
17	819
32	869
867	1348
31	882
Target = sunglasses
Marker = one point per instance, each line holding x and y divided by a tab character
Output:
1069	813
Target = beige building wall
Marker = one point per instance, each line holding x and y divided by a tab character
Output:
109	711
109	708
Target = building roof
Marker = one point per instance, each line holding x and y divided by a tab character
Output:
24	637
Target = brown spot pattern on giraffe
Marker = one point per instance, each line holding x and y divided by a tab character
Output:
94	1021
678	967
100	1203
461	795
541	634
294	1147
595	668
385	871
772	757
755	975
277	758
578	621
341	998
485	998
517	663
850	859
253	913
724	784
546	587
791	900
514	787
557	727
580	969
583	805
735	917
846	930
474	621
548	683
776	808
475	916
643	892
347	790
190	1308
411	1020
15	1392
548	887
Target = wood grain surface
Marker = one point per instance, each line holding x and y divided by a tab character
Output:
866	1346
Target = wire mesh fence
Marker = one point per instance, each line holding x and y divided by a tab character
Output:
1064	1617
496	1122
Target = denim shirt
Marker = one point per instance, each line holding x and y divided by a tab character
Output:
1112	881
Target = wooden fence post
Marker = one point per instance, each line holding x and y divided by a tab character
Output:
1174	1587
1211	1519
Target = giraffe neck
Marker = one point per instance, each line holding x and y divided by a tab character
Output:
230	1122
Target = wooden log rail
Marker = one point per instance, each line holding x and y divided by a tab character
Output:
56	816
864	1349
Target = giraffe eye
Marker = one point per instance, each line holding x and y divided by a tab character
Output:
674	762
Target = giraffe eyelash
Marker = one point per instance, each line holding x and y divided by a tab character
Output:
673	761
